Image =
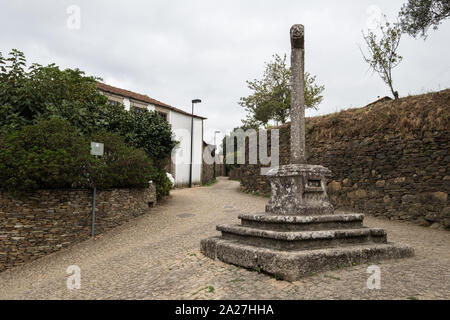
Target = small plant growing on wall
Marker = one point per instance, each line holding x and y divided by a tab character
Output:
382	55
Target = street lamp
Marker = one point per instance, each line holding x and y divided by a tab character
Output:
215	153
192	138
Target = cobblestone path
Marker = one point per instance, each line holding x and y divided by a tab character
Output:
157	257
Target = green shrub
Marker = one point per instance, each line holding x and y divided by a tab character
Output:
48	155
120	166
41	92
161	181
44	91
52	155
38	93
144	130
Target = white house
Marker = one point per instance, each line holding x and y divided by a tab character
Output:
181	126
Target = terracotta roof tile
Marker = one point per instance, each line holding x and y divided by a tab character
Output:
140	97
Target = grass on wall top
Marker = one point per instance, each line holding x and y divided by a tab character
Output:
405	116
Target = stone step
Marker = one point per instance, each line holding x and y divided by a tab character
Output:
301	240
266	221
293	265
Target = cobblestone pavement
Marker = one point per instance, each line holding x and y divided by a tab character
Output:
157	256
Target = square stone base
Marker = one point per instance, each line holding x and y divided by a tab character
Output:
299	189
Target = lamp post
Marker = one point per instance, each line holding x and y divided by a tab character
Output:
215	152
192	139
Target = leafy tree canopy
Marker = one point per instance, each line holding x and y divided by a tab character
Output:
43	91
29	97
417	16
51	154
271	96
40	92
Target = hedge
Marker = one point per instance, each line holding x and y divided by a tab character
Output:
53	155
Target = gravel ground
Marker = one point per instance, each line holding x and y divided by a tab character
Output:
157	256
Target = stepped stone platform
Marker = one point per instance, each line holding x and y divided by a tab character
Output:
292	247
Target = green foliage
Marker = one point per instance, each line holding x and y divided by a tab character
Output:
210	183
271	96
47	155
382	54
34	95
145	130
51	154
10	119
417	16
121	165
45	91
161	181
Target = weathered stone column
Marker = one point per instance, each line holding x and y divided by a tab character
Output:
298	154
298	188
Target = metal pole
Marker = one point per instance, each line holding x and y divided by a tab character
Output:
192	142
94	194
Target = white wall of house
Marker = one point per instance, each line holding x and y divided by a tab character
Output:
127	104
181	126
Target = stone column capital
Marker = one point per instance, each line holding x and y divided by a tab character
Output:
298	36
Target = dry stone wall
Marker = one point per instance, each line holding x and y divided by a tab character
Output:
390	159
235	174
208	172
45	221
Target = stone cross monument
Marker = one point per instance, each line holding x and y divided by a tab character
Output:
300	234
298	188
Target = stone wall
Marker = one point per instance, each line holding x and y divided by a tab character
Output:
207	173
389	159
220	170
235	174
45	221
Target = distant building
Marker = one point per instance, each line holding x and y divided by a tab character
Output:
181	126
383	99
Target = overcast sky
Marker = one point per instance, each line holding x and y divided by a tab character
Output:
175	51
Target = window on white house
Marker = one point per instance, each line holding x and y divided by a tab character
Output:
137	109
162	114
113	102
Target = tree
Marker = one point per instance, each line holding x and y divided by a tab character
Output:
51	154
417	16
271	97
31	95
46	91
144	130
383	56
43	91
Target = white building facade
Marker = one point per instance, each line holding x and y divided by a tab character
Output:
181	127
